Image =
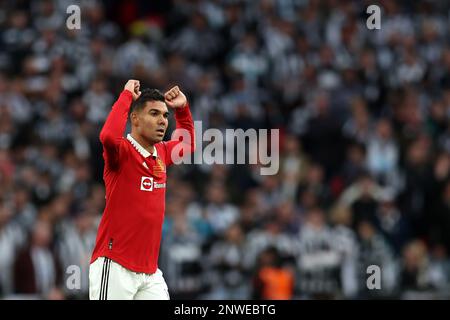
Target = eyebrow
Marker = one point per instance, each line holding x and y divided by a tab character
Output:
159	111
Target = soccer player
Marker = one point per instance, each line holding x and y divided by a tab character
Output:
124	263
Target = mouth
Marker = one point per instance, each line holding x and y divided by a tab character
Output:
160	131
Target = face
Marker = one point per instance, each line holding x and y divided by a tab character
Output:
151	122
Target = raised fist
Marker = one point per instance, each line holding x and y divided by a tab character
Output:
133	86
175	98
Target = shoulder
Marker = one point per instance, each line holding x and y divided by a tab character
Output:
124	142
124	145
125	149
163	151
122	151
161	148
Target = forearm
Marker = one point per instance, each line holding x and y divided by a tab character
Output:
183	118
115	124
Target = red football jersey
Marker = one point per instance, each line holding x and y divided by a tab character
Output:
135	180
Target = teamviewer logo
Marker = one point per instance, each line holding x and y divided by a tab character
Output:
147	183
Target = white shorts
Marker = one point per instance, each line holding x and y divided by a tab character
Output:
108	280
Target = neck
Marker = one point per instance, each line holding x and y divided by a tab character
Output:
143	142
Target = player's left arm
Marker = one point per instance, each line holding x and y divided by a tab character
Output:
176	99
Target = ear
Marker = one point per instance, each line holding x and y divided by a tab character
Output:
134	119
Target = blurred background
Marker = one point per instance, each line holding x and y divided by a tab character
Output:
364	144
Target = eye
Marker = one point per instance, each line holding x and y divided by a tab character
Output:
166	115
153	113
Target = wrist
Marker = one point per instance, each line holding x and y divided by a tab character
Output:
183	107
126	91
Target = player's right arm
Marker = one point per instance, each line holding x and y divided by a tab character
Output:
115	124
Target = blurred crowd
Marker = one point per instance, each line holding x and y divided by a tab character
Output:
364	144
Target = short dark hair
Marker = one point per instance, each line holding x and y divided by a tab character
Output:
146	95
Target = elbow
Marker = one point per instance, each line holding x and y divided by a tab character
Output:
193	144
106	138
103	136
187	148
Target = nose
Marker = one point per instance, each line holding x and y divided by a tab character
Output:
161	120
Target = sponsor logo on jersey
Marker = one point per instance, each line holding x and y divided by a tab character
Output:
147	184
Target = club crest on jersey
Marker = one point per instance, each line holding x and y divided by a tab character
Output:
159	168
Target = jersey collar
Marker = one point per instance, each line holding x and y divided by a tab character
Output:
140	148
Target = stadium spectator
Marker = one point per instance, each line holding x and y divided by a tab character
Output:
37	270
